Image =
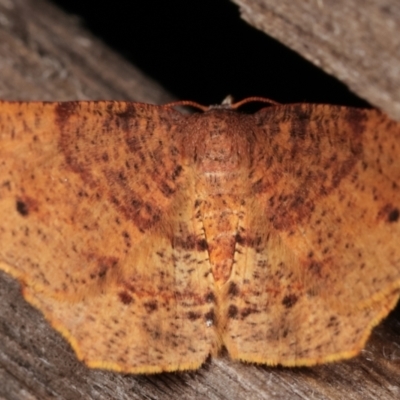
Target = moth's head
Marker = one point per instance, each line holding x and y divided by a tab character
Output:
218	139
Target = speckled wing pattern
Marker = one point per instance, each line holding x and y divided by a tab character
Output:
98	222
317	262
151	239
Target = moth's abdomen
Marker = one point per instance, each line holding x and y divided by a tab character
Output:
220	216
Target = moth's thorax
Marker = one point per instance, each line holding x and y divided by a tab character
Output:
217	141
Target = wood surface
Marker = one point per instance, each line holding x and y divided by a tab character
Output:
357	41
45	55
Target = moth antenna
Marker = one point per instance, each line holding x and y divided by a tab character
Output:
240	103
188	103
226	103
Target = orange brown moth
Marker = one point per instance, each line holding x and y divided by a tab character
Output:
151	239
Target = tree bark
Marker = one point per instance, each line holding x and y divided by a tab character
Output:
357	41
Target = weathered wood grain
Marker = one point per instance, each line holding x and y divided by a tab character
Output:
45	55
357	41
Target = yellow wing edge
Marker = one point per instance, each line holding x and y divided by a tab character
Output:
340	356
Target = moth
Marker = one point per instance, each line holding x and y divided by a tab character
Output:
151	239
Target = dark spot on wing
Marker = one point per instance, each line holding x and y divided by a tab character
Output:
393	215
190	242
151	306
290	300
25	205
389	213
232	311
193	316
210	317
210	297
177	171
22	208
125	298
233	290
